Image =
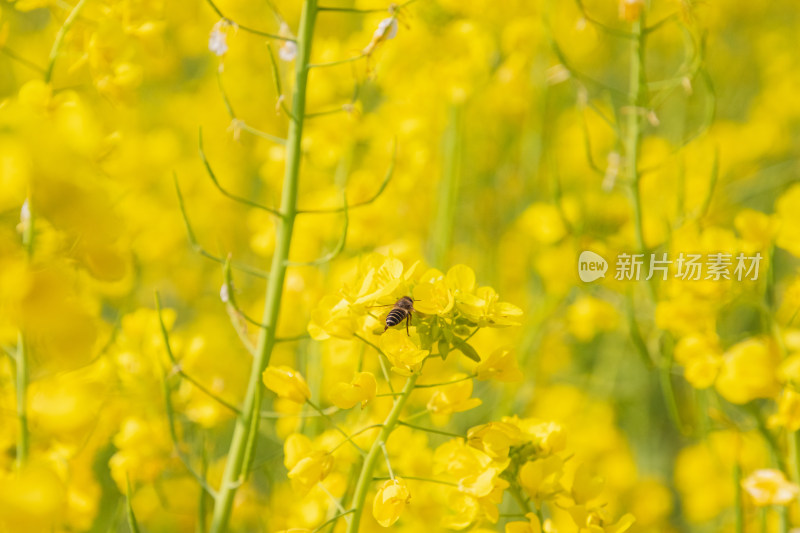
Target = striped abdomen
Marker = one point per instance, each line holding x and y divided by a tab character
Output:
394	317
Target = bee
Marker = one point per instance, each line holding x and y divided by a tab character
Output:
401	310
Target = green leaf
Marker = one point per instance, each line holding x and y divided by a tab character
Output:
448	333
466	349
444	348
134	526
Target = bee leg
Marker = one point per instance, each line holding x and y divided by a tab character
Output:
408	319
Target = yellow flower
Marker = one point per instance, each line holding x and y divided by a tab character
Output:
32	499
748	372
36	94
500	365
531	526
756	229
770	487
588	316
390	501
585	486
381	278
548	437
591	520
286	383
789	370
483	484
453	398
460	279
544	223
361	390
306	466
788	415
541	478
462	511
332	317
433	297
485	310
495	439
787	210
403	350
456	458
701	357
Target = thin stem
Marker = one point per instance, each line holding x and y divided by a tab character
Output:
365	477
381	357
219	187
293	338
22	61
176	365
414	478
59	40
332	520
431	430
459	380
783	518
636	97
445	221
176	444
307	414
335	426
359	432
392	8
351	10
246	28
386	179
21	370
388	462
22	399
246	428
333	498
202	251
772	442
737	499
337	249
338	62
603	27
519	498
794	448
132	523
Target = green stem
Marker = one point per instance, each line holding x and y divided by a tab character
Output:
783	517
414	478
794	447
519	498
246	429
59	40
365	477
737	500
432	430
637	97
348	438
633	138
448	190
22	399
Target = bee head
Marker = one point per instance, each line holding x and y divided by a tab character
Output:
406	302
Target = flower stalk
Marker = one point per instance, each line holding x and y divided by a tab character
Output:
246	429
368	466
22	399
